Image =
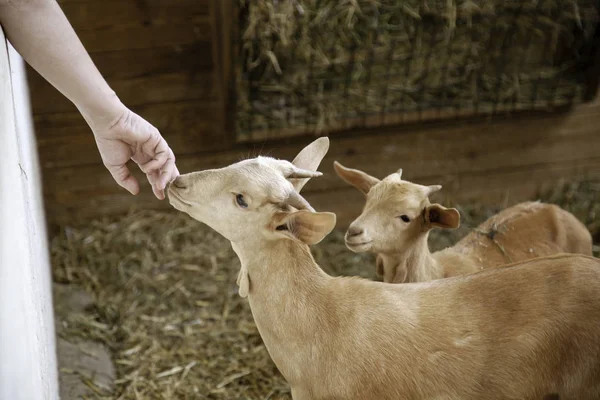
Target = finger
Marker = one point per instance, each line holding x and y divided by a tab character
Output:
160	194
123	177
156	164
159	154
153	179
168	173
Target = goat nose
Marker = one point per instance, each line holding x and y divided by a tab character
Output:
178	183
354	231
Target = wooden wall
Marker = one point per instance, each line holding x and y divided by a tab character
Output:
163	59
157	56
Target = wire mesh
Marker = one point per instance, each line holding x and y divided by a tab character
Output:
309	66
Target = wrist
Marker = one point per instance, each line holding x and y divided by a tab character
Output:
105	111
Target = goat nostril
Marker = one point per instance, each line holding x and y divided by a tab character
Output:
354	231
178	184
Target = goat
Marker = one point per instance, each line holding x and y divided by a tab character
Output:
397	218
520	332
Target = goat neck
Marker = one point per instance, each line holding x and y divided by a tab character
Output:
415	263
286	286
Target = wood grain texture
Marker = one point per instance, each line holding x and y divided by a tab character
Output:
192	127
140	77
190	58
149	51
111	25
170	62
504	187
143	90
483	159
157	56
96	16
65	140
160	34
225	19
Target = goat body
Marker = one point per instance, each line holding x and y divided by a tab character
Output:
518	233
516	332
524	231
525	331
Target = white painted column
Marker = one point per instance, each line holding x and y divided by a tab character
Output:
28	369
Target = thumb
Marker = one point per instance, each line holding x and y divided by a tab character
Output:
123	177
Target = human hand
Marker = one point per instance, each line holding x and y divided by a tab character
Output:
41	33
130	137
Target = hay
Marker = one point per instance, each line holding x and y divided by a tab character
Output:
167	306
313	63
166	302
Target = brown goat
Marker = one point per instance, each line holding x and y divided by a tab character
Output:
527	331
397	218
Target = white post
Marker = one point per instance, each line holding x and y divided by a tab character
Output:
28	368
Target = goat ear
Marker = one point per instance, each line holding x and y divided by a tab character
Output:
305	226
356	178
442	217
309	158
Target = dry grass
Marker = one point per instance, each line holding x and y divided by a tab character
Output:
310	64
166	302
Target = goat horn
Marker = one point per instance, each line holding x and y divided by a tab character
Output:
433	188
303	173
290	171
295	200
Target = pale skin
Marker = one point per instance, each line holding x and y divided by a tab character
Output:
40	32
526	331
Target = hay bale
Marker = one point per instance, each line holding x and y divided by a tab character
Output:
166	303
311	64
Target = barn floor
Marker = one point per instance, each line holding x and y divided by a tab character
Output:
157	291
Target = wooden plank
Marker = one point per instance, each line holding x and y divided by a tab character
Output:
159	34
229	51
99	15
395	119
592	70
447	153
451	148
59	124
135	91
122	64
65	140
502	186
222	25
140	77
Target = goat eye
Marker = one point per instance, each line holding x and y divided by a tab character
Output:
240	200
405	218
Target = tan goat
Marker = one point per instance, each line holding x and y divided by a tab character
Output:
523	332
397	217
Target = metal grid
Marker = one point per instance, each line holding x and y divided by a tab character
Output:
376	85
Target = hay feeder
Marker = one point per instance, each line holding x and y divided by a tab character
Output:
310	66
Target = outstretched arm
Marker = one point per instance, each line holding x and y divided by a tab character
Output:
41	33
